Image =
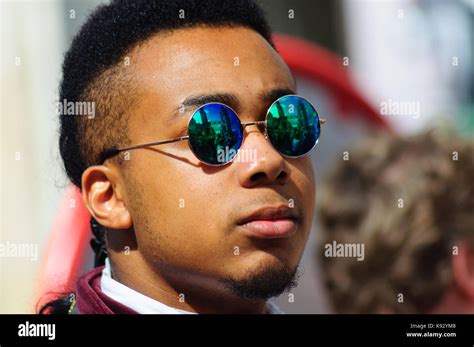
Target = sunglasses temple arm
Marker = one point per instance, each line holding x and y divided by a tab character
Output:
154	143
109	153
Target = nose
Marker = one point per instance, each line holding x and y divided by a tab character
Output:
265	166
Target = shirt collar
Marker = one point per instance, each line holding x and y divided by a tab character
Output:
142	303
131	298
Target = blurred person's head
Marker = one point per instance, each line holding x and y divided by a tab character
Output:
173	224
408	204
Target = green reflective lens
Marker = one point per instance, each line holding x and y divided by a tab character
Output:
293	125
215	134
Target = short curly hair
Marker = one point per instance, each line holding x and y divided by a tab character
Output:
408	250
94	72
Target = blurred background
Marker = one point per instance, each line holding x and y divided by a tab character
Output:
401	66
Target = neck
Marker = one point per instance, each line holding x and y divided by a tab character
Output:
180	289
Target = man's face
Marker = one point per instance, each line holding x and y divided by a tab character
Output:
188	216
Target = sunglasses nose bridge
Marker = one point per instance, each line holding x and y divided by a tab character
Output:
259	125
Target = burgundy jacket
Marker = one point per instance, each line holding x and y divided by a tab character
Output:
91	300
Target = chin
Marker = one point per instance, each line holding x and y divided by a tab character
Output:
261	277
261	259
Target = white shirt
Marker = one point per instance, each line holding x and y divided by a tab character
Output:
142	303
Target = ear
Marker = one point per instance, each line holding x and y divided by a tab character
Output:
103	197
463	270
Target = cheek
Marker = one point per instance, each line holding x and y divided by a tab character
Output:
303	177
175	216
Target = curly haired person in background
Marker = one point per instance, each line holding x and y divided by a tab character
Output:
410	202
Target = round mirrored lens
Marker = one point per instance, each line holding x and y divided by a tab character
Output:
215	134
293	125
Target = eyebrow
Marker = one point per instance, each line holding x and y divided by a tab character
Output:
199	100
270	96
230	99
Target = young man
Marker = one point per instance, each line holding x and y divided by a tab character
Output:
187	230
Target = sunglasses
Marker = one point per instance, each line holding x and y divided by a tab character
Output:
215	132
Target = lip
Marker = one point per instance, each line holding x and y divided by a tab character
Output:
271	222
